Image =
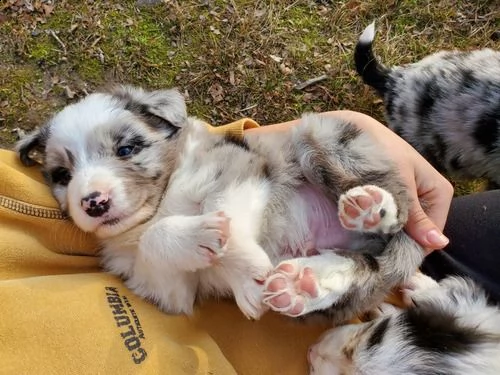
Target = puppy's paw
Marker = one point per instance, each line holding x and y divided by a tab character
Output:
249	299
287	289
302	285
417	286
212	237
369	209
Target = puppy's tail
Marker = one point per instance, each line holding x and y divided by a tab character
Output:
367	66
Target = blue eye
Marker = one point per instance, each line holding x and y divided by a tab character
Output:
124	151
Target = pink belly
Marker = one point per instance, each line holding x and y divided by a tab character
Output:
325	230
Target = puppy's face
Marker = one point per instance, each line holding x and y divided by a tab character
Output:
108	157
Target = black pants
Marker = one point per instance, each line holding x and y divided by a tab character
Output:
473	228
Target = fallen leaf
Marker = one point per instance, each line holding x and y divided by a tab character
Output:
214	30
216	92
285	69
70	94
47	9
276	58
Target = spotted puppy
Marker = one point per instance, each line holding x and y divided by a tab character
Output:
183	213
447	106
449	328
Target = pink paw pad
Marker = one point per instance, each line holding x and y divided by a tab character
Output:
360	208
287	289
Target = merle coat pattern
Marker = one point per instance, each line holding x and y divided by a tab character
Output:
447	106
448	328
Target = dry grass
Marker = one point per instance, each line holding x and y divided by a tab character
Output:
231	58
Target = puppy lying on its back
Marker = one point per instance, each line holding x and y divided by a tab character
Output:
447	106
182	212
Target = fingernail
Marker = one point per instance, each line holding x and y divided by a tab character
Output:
437	239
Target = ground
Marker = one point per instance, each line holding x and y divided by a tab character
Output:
231	59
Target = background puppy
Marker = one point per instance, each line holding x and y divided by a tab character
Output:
447	106
182	212
448	329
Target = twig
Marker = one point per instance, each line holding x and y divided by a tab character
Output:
54	35
309	82
248	108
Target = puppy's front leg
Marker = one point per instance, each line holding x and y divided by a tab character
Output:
244	268
173	290
187	243
170	252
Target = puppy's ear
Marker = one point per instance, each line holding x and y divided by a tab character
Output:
32	142
161	109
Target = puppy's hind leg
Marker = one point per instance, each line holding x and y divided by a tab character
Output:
353	171
341	285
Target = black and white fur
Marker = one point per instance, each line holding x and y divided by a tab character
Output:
182	212
447	106
449	328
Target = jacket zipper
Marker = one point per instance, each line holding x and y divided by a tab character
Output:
28	209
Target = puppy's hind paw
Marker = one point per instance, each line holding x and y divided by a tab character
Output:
288	288
417	285
369	208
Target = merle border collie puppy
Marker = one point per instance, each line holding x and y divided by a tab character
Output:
447	106
448	329
300	222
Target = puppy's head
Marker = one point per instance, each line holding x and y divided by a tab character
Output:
108	157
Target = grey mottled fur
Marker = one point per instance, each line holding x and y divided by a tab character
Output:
447	106
449	328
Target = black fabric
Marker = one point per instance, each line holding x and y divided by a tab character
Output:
473	228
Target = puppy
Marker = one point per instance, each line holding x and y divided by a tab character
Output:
183	213
449	328
447	106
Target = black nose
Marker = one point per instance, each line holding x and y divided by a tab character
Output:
96	204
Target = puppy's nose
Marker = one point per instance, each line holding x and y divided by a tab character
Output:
96	204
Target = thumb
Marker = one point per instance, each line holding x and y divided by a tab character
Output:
421	228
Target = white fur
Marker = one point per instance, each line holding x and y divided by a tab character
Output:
368	34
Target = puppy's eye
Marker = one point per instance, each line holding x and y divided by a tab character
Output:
61	176
124	151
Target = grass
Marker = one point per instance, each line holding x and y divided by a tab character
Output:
231	59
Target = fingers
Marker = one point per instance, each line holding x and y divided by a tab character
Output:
436	201
425	224
423	230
